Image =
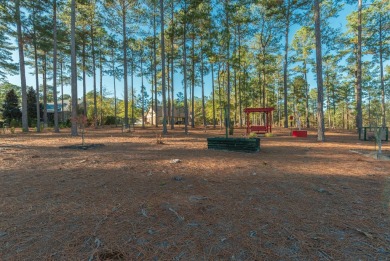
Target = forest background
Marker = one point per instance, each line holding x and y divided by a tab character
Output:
232	54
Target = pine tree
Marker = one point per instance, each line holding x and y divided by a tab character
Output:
31	105
303	45
21	65
290	13
320	95
378	16
55	45
73	69
11	109
119	11
7	67
162	51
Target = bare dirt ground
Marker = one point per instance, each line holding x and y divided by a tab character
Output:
296	199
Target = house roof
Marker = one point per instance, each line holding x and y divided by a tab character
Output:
50	106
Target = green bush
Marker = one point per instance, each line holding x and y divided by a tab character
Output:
14	123
252	135
110	120
66	124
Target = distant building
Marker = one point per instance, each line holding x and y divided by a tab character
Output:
178	115
64	113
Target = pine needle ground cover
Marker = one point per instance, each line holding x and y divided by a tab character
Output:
133	198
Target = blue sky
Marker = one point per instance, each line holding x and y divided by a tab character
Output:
340	21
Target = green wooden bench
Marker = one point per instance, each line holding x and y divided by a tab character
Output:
234	144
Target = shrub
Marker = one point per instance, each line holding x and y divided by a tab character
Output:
110	120
252	135
14	123
10	107
67	124
62	125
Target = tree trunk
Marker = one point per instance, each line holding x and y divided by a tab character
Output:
228	65
132	88
22	67
95	113
307	116
172	95
152	92
164	98
168	86
101	80
334	105
383	93
369	107
126	98
62	90
185	68
84	80
264	84
56	128
37	83
172	71
359	114
239	76
45	122
259	83
327	84
155	62
73	68
220	97
213	90
202	84
235	67
347	106
235	95
285	72
320	90
193	81
114	78
278	107
142	95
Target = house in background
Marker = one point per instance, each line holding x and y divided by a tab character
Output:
64	112
178	115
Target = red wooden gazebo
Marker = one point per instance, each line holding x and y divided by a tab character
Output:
259	128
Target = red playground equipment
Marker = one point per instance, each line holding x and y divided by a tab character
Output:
267	127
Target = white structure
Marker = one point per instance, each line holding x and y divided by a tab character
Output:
178	115
64	112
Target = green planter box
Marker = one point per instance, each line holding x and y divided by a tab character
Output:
234	144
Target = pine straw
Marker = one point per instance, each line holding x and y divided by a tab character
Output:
295	200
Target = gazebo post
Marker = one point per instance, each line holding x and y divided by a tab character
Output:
247	122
